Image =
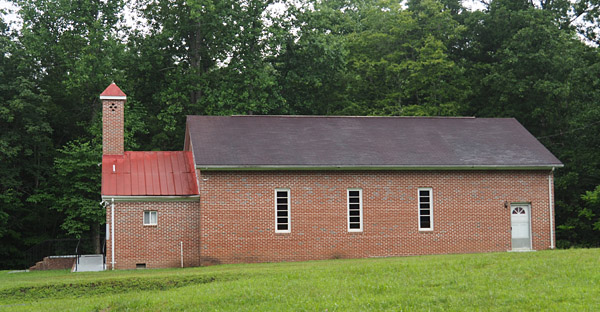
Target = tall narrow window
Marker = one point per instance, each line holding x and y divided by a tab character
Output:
355	214
150	217
282	211
425	209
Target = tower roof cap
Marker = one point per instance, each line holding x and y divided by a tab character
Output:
113	92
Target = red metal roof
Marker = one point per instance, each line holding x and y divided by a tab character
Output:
112	90
149	174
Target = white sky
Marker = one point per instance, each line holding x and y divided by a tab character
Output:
10	17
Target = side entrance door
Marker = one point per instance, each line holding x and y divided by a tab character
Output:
520	220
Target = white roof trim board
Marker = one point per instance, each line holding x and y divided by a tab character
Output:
150	198
113	97
397	168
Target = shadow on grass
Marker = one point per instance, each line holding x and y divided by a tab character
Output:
111	286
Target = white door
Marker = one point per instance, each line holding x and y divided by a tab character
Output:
521	226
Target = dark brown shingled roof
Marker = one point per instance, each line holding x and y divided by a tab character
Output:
364	142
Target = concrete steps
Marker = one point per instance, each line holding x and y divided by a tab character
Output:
54	263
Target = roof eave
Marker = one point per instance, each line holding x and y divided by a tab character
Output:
113	97
150	198
376	167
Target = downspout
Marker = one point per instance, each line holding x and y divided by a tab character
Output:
551	206
112	234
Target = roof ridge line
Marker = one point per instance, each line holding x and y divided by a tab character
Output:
154	151
342	116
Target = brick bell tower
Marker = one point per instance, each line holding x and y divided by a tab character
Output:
113	128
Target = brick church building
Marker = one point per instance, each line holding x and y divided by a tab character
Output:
295	188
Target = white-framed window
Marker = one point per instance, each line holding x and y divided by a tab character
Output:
425	209
150	217
282	211
355	210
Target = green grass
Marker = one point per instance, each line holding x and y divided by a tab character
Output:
556	280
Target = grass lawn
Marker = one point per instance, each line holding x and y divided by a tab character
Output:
546	280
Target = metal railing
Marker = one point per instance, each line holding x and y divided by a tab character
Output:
104	254
77	255
51	247
59	247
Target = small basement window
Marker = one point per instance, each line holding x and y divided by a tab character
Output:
425	209
355	213
140	265
150	217
282	210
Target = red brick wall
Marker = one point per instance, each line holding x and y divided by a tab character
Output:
155	245
238	213
112	127
54	263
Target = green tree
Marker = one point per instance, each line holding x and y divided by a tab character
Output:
77	166
592	211
311	62
74	47
399	62
201	57
51	73
523	63
24	143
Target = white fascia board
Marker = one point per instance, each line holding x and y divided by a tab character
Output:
151	198
358	167
194	161
113	97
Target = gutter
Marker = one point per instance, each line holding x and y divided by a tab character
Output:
551	208
151	198
112	234
376	167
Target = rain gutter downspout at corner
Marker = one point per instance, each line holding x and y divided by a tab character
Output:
112	234
551	208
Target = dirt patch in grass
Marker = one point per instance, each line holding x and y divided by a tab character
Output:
110	286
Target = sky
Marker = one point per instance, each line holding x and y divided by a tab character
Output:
5	5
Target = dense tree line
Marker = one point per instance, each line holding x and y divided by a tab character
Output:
535	61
